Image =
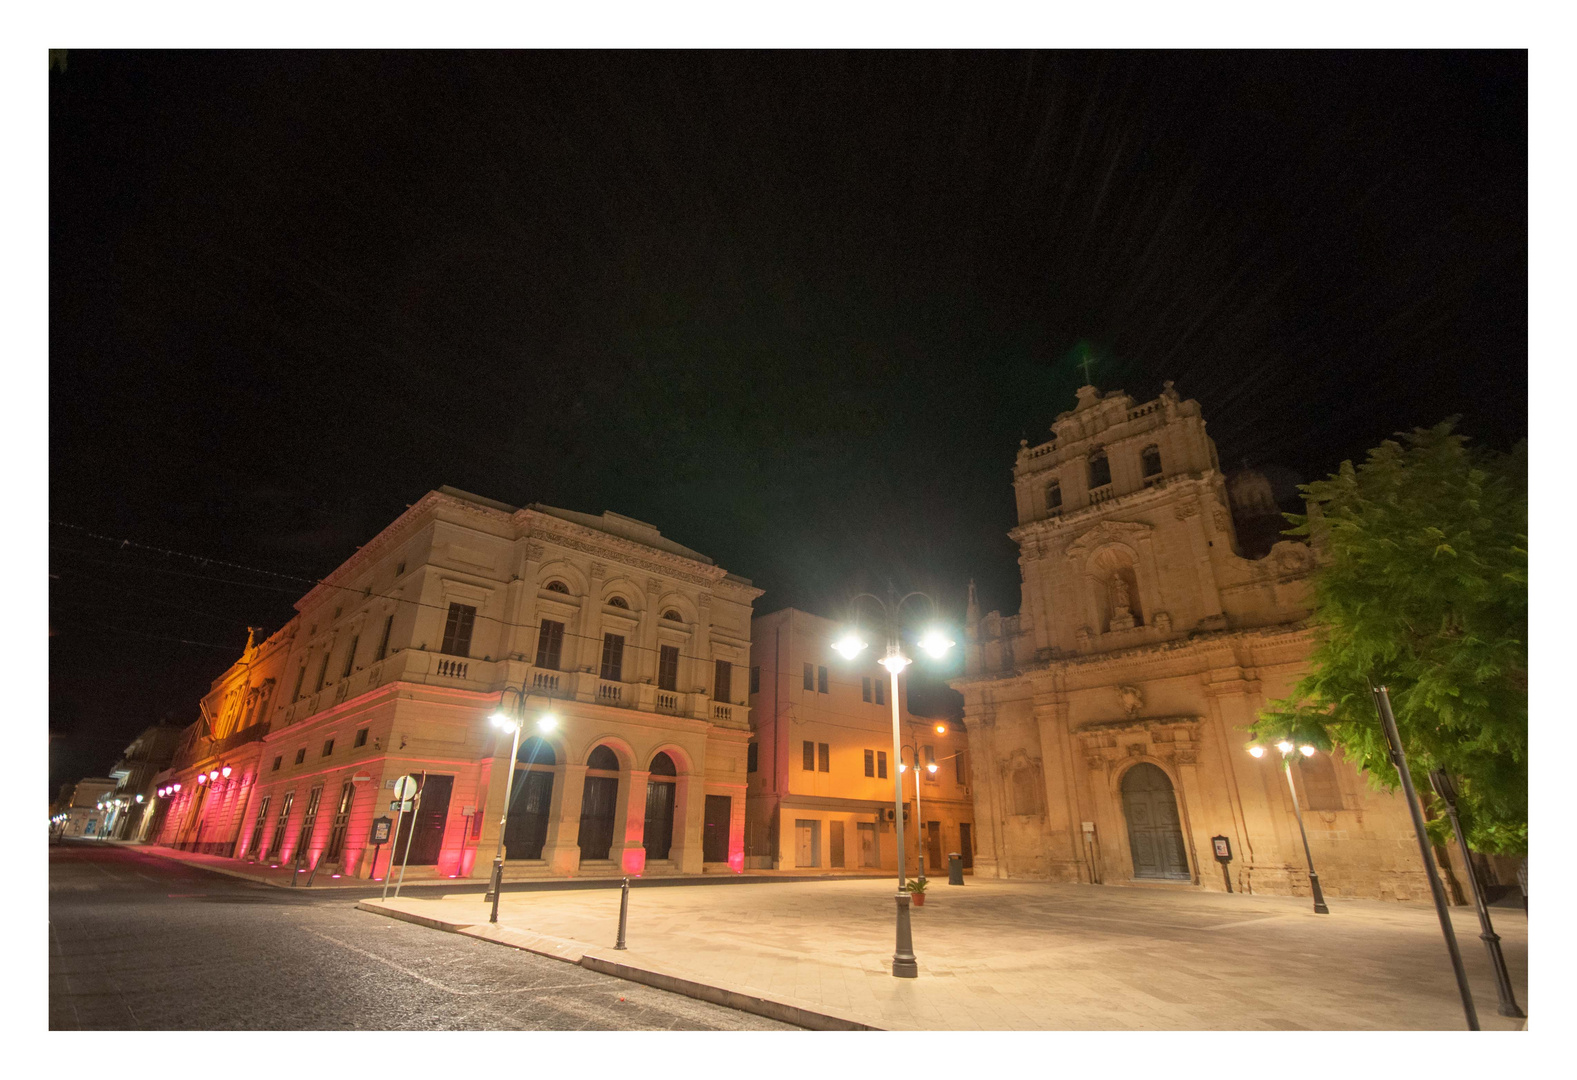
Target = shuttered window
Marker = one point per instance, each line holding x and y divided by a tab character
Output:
613	657
810	677
810	756
823	757
723	682
550	644
870	763
668	667
881	764
383	642
457	631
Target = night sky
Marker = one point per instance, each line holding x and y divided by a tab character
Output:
795	309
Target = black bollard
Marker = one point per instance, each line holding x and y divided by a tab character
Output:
624	911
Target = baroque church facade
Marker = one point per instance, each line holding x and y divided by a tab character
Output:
1160	611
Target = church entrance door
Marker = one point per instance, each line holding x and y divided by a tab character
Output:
1154	832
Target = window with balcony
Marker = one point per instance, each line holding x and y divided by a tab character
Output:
668	667
301	677
1100	470
550	644
383	643
350	657
1150	461
457	630
723	682
1053	497
613	657
323	671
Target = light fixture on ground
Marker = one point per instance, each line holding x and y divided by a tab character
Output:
1286	749
512	723
934	643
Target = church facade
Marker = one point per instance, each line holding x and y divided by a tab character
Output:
1160	611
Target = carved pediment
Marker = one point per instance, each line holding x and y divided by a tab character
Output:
1107	532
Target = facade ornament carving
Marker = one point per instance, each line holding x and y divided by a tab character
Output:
1219	516
1185	510
534	552
1091	540
1132	700
1136	749
1188	755
1162	621
599	569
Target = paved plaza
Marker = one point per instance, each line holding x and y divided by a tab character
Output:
1027	956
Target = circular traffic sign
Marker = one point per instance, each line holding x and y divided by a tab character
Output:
405	787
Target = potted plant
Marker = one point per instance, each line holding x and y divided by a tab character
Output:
917	892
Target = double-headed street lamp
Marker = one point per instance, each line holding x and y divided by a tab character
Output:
512	723
934	643
919	820
1306	750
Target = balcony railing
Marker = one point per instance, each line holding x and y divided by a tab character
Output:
667	702
450	668
610	693
1101	494
545	680
724	713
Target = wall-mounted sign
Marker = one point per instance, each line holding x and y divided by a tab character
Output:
1223	848
380	830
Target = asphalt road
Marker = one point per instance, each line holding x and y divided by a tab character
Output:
136	941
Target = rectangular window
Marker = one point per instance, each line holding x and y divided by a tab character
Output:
755	679
323	670
881	692
361	737
301	677
810	756
870	763
613	657
823	758
881	764
865	688
350	657
301	755
279	759
457	630
723	682
328	747
383	642
550	644
668	667
821	680
751	757
810	677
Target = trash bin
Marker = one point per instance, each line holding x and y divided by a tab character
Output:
955	869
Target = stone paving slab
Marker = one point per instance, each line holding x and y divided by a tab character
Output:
1029	956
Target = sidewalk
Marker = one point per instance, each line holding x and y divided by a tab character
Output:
1015	956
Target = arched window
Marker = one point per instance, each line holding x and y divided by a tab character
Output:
1100	470
619	602
1150	461
1053	495
663	765
535	751
673	616
604	759
556	586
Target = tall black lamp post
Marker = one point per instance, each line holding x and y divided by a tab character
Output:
936	644
511	722
1286	749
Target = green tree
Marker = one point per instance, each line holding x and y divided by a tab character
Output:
1423	588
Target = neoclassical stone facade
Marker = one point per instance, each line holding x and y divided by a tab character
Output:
637	646
1107	718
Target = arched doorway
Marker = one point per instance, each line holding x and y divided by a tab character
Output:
527	828
1154	834
599	800
660	790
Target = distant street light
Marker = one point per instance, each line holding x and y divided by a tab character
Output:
1286	749
512	723
934	643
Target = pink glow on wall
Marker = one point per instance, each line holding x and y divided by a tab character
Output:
635	860
736	858
467	861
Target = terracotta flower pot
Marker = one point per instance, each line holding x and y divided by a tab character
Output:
917	899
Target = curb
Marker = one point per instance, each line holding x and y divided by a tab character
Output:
574	953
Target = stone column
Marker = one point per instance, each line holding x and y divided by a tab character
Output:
1063	860
561	850
1150	598
629	831
1196	827
985	776
682	852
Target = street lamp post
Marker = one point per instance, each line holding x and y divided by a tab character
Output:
511	723
850	645
919	817
1286	763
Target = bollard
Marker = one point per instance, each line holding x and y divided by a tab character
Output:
955	869
624	911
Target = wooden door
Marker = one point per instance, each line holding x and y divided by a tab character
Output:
837	844
868	844
966	845
659	832
719	819
424	827
528	815
598	803
933	843
804	843
1155	834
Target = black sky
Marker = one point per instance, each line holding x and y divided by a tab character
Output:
796	309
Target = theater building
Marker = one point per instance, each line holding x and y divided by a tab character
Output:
1159	612
820	792
395	661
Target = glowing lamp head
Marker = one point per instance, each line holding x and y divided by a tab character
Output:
225	772
931	768
547	722
1257	750
1306	750
202	778
902	768
941	729
936	643
503	721
213	774
139	798
895	662
175	787
1284	746
849	645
